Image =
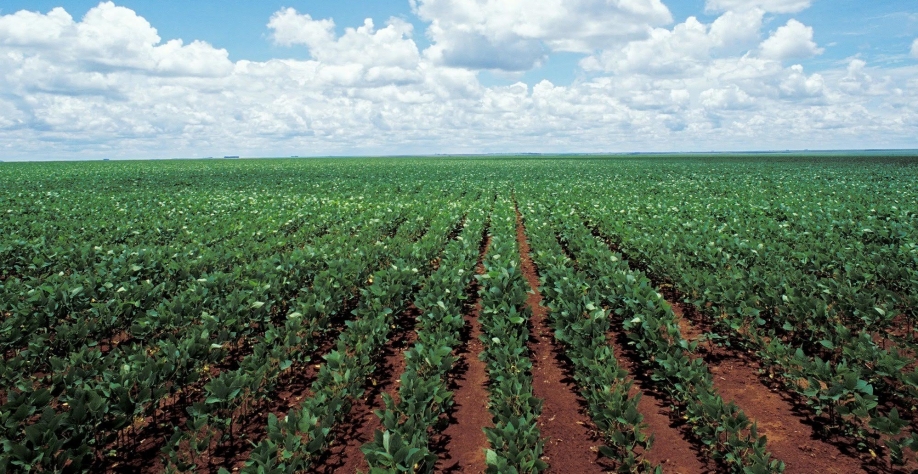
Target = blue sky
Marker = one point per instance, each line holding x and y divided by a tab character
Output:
86	79
875	31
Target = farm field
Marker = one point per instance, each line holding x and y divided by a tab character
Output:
676	314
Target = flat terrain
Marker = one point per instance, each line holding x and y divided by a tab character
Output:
683	314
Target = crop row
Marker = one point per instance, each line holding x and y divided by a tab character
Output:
729	436
424	398
233	395
118	301
89	396
581	323
295	441
136	294
516	445
800	326
87	276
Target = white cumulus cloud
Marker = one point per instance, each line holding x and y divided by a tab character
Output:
664	52
107	85
731	97
797	85
689	46
108	37
791	41
517	35
737	31
25	28
389	46
915	49
290	27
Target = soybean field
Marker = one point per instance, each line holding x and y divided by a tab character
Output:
635	314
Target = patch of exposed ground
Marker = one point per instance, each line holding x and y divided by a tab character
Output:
361	424
673	447
737	378
570	443
791	437
461	446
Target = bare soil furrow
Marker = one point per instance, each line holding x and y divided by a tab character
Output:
570	443
672	448
360	425
461	446
792	438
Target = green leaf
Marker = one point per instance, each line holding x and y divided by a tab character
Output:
490	457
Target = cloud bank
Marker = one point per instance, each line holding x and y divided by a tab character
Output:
108	85
517	35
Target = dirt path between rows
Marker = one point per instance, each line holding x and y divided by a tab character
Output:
570	443
736	378
344	455
461	446
672	447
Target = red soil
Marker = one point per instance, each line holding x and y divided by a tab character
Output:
570	444
361	424
672	448
736	378
790	438
464	442
690	332
108	344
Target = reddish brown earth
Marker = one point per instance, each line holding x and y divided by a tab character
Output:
736	377
570	443
901	329
361	424
107	345
672	446
790	439
461	445
690	332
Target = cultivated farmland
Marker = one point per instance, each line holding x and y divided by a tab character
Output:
746	314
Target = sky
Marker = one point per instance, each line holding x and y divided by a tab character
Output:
164	79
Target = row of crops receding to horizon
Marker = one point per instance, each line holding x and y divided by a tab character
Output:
280	316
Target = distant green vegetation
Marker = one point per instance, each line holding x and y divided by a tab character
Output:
128	289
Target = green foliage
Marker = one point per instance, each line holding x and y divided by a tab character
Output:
516	445
121	284
424	397
582	325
